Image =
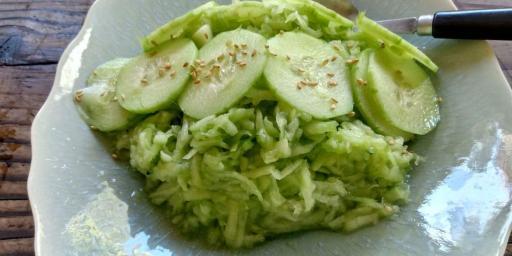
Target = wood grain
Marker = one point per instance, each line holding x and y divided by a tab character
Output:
36	32
17	247
16	227
14	208
33	34
14	171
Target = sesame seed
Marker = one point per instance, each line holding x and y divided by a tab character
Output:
332	83
185	64
144	81
391	141
267	46
78	97
103	94
161	72
93	127
336	47
115	98
273	54
351	114
205	36
79	93
300	70
330	74
288	57
324	62
232	54
244	52
123	97
254	53
300	85
173	73
352	61
237	46
334	58
313	83
197	82
243	45
241	63
361	81
333	100
220	57
115	156
167	66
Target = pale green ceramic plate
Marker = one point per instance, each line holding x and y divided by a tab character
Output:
461	194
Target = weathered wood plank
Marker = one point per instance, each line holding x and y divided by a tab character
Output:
16	227
14	133
15	152
19	100
38	31
20	116
17	247
15	190
27	80
14	208
14	171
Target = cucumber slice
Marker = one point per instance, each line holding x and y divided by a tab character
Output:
371	114
404	92
97	103
380	35
182	26
308	74
203	35
227	68
150	83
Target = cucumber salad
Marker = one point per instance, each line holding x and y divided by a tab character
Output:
260	118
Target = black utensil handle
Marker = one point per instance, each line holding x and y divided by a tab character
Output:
494	24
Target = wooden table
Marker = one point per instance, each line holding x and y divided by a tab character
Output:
33	34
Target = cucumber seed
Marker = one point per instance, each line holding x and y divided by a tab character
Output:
324	62
205	36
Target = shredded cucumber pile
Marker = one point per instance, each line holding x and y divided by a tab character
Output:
260	118
265	169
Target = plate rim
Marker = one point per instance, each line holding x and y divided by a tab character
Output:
87	23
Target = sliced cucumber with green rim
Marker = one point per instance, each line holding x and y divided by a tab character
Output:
308	74
403	91
371	113
153	81
203	35
97	103
381	37
227	67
